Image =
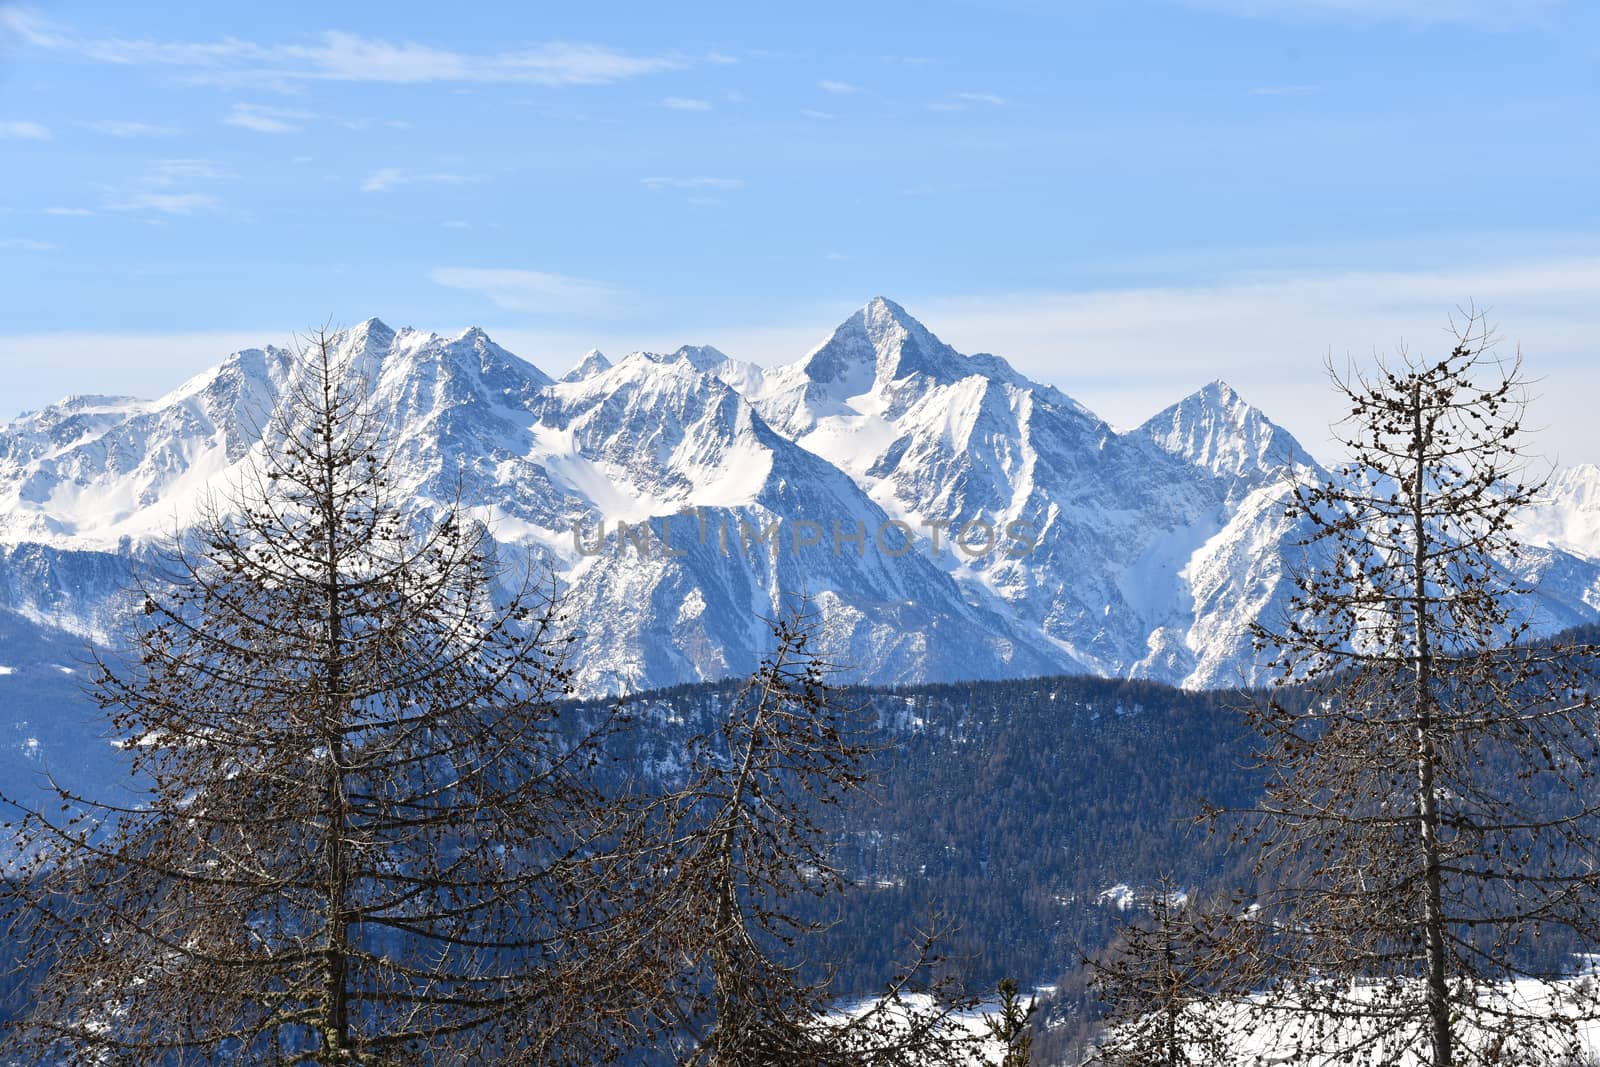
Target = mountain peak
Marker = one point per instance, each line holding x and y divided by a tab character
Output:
878	344
701	357
1216	428
593	362
888	322
1222	394
98	402
371	330
1148	550
1216	398
367	343
883	307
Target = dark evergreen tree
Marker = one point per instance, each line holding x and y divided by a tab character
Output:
1010	1025
1172	984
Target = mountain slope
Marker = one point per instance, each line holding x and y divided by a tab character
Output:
1136	555
951	518
655	442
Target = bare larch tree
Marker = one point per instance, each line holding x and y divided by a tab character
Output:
1428	827
358	835
739	843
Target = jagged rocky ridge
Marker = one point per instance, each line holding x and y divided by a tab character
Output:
848	475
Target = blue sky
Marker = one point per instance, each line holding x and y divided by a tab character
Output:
1127	199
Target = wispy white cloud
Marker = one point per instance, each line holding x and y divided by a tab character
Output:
1129	352
23	130
165	203
70	212
117	128
264	119
342	57
387	178
828	85
961	101
813	113
169	172
167	187
1482	14
935	188
1285	90
693	183
532	291
26	244
684	103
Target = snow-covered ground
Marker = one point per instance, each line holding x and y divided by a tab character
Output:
1518	1024
985	1053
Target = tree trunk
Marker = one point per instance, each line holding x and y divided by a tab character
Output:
724	977
1427	753
335	1021
1174	1053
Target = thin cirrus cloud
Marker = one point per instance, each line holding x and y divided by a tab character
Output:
701	183
684	103
1285	90
167	172
532	291
119	128
389	178
263	119
23	130
342	57
838	88
168	187
165	203
1481	14
961	101
1268	335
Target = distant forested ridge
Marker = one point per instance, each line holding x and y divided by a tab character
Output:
1029	813
1024	811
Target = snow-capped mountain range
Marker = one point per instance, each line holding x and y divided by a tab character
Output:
950	517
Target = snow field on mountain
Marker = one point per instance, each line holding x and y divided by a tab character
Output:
1147	551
